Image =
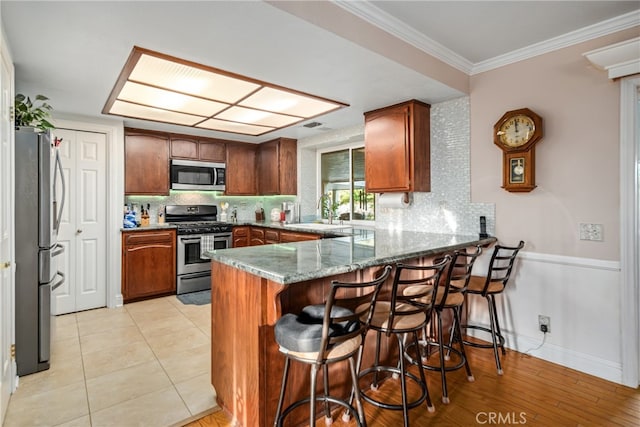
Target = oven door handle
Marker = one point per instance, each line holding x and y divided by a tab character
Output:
190	240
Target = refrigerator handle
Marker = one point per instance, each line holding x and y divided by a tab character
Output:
59	282
64	192
58	250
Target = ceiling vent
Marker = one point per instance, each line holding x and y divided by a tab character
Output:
312	125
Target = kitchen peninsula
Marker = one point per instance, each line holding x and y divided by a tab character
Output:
253	286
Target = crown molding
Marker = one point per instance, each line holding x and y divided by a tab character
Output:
399	29
613	25
619	59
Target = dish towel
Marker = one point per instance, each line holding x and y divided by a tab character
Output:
206	244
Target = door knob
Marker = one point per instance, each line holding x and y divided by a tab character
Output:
4	265
79	230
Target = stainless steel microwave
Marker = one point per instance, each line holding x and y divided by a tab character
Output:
197	175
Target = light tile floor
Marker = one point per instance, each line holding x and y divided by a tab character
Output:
144	364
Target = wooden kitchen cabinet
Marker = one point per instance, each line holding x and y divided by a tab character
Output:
192	148
241	170
240	236
295	236
146	163
257	236
277	167
148	263
271	236
397	148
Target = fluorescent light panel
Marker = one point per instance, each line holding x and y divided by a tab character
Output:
158	87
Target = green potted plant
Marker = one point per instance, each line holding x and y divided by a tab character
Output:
27	113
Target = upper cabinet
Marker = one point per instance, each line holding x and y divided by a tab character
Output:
241	170
187	147
146	163
277	167
252	169
397	148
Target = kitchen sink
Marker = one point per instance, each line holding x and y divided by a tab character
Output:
317	226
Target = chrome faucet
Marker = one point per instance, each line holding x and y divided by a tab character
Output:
321	200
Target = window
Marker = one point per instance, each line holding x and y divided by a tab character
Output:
343	185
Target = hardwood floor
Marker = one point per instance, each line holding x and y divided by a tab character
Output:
531	392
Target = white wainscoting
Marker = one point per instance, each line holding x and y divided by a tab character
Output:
582	297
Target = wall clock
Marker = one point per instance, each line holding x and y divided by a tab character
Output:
516	134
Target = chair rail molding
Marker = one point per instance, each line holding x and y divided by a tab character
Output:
619	60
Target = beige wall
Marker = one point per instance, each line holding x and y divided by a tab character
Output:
577	161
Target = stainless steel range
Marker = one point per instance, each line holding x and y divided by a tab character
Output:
198	231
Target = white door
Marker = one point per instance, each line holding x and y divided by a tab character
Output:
7	364
83	225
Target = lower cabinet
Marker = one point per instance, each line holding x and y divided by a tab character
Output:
244	235
148	263
257	236
240	236
294	236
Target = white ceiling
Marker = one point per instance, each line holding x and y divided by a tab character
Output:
72	52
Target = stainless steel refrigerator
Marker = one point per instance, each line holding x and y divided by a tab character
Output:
40	193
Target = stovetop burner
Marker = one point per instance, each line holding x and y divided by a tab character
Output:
203	227
196	219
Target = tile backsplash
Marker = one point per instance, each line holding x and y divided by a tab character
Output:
246	205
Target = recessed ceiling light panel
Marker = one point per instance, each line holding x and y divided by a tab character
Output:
288	103
258	117
168	100
136	111
226	126
154	86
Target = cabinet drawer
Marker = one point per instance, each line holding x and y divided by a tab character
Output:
257	233
272	236
290	236
143	237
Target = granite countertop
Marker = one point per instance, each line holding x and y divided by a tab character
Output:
330	230
288	263
150	227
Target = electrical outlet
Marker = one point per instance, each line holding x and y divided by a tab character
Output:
544	323
591	232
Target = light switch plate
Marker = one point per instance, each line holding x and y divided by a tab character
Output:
590	231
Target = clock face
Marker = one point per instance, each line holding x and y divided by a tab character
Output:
516	131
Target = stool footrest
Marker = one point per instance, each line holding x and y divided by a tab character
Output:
499	337
436	367
385	405
322	398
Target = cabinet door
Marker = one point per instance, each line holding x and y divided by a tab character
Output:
257	236
184	148
271	236
387	150
148	264
268	168
277	167
212	151
241	170
292	236
240	237
146	164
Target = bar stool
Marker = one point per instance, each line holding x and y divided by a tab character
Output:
449	296
327	333
404	314
489	286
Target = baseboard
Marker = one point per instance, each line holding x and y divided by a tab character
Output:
585	363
